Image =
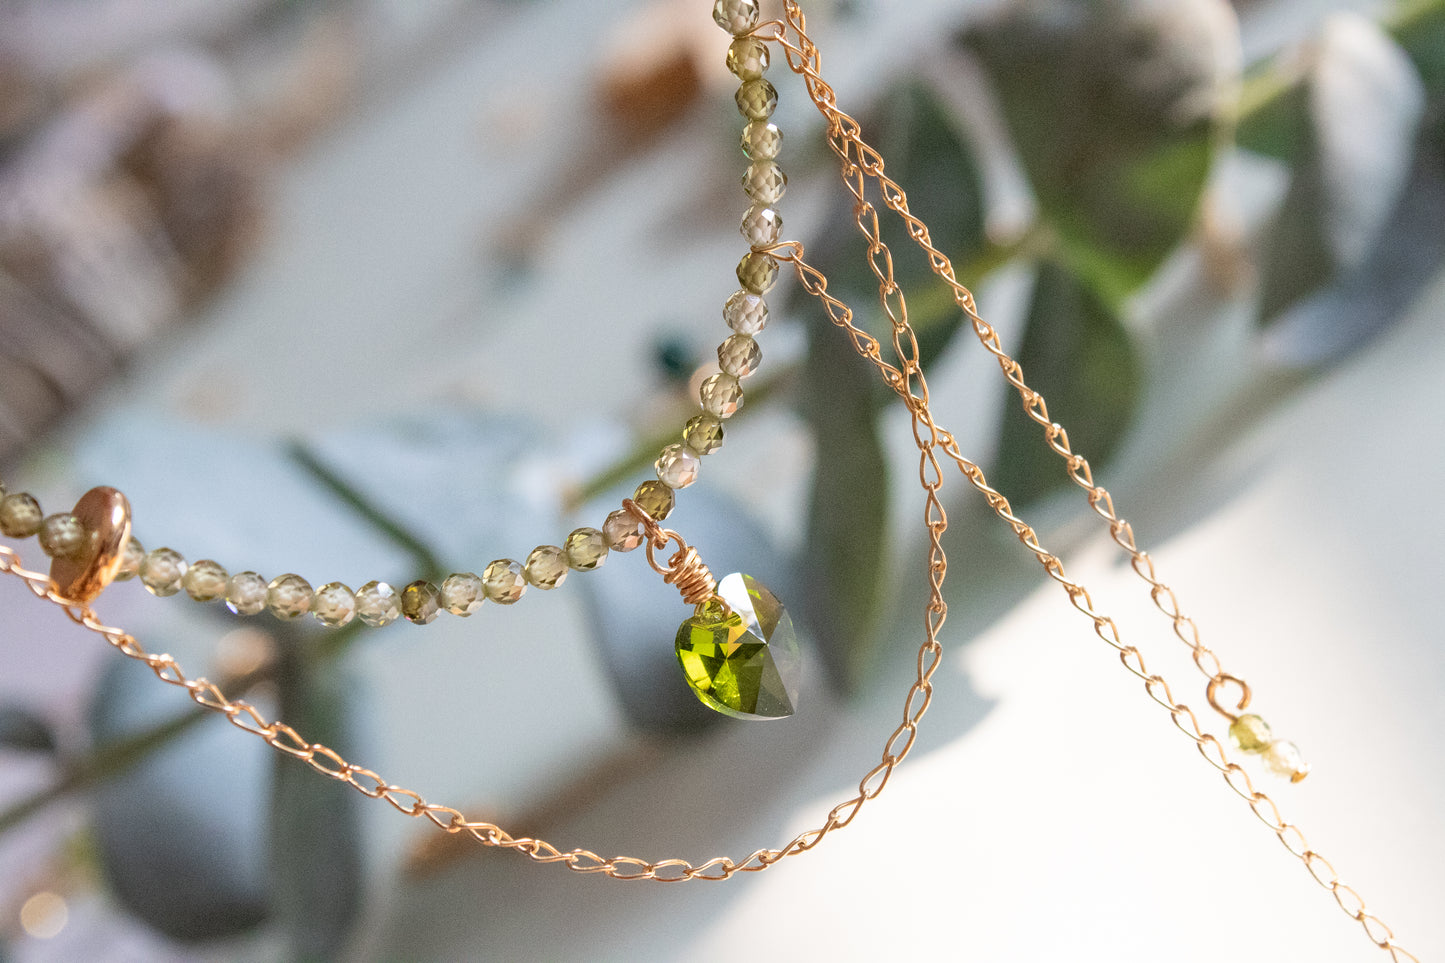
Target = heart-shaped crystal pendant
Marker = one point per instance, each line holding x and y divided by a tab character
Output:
744	662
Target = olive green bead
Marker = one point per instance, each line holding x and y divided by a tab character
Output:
655	498
758	272
748	58
20	515
756	99
421	602
703	433
1250	733
586	549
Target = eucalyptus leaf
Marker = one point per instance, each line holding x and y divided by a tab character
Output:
844	574
1115	107
1362	302
1076	353
179	835
1364	102
930	156
316	869
24	730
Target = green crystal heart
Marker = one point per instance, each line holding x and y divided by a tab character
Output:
743	663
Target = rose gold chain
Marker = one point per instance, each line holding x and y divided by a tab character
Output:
860	161
909	383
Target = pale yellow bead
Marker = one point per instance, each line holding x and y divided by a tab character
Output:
162	572
748	58
463	594
678	466
1283	758
736	16
586	549
377	604
765	182
546	567
334	605
762	141
721	395
761	226
504	581
746	312
756	99
739	356
246	593
288	596
206	581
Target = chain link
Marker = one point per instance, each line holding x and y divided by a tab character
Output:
859	162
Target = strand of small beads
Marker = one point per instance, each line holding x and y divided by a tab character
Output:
165	572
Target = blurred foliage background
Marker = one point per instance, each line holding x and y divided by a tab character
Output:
1083	151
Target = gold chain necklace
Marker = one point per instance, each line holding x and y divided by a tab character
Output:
103	516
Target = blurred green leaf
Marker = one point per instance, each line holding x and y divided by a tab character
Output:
1363	103
315	858
179	832
843	576
1078	355
1115	107
929	156
1367	300
25	731
1419	28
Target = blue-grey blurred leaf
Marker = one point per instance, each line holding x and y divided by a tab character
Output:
1114	106
1364	103
636	616
844	572
1365	301
930	157
1078	355
180	835
24	730
1419	27
316	866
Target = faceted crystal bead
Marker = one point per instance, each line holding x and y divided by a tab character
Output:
761	226
756	99
736	16
377	604
703	433
246	593
20	515
130	558
62	536
677	466
744	663
288	596
586	549
421	603
721	395
463	594
746	312
758	272
1283	758
655	498
334	605
206	581
546	567
739	356
762	141
748	58
504	581
1250	733
162	572
622	530
765	182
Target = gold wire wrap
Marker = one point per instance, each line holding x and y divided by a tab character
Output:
858	162
684	569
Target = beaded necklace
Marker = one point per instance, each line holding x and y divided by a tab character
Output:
737	649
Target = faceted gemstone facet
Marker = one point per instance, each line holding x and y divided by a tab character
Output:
744	663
